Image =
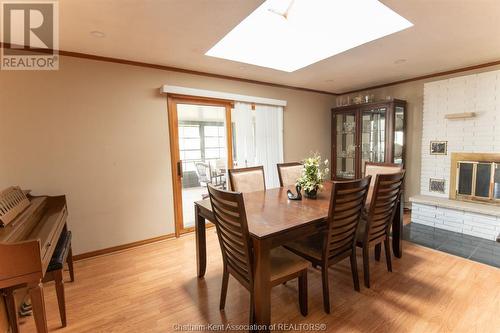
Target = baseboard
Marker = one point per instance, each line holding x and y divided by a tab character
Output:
121	247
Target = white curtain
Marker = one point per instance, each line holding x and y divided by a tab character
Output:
269	141
259	138
243	133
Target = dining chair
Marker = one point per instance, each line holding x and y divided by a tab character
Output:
374	227
338	241
247	179
237	253
377	168
289	173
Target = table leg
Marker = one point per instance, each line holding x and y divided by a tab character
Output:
201	242
397	230
38	303
262	285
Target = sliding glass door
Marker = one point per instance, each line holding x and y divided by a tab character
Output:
207	135
200	145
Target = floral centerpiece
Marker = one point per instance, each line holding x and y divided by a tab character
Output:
313	174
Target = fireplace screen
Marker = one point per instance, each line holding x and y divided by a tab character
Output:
478	181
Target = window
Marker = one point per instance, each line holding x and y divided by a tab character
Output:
189	146
214	142
201	141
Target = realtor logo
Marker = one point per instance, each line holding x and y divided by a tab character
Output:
30	35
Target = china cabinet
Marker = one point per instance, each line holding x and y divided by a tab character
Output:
369	132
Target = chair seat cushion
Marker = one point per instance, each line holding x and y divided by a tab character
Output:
311	246
285	263
61	252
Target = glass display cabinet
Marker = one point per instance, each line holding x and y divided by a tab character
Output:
369	132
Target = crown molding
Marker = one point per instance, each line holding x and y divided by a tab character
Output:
176	69
270	84
423	77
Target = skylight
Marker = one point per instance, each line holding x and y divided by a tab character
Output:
290	34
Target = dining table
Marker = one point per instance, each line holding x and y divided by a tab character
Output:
273	220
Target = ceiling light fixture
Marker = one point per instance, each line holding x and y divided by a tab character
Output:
97	34
285	13
310	32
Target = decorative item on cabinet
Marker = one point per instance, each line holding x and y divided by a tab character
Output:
357	99
348	127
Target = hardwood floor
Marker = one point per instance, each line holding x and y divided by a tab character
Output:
154	287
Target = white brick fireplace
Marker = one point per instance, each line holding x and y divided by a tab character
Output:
478	94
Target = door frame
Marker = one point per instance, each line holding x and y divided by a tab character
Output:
173	120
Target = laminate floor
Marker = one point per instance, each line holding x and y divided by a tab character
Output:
154	288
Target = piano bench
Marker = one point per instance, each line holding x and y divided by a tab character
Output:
62	253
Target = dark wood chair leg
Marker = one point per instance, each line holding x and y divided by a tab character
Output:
61	300
366	265
378	250
223	292
10	303
387	249
303	293
201	242
251	318
354	270
326	292
69	260
397	229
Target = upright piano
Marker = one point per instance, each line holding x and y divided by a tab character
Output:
30	227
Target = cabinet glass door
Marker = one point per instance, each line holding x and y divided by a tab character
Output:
399	117
373	136
345	164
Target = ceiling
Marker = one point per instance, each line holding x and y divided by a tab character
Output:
447	34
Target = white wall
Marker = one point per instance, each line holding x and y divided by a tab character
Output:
98	132
478	93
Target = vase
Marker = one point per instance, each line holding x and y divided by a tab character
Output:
311	194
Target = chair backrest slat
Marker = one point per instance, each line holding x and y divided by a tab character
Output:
232	231
346	206
247	179
288	173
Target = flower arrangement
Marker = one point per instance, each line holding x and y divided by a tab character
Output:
314	172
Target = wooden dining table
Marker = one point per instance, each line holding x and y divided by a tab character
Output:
274	220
